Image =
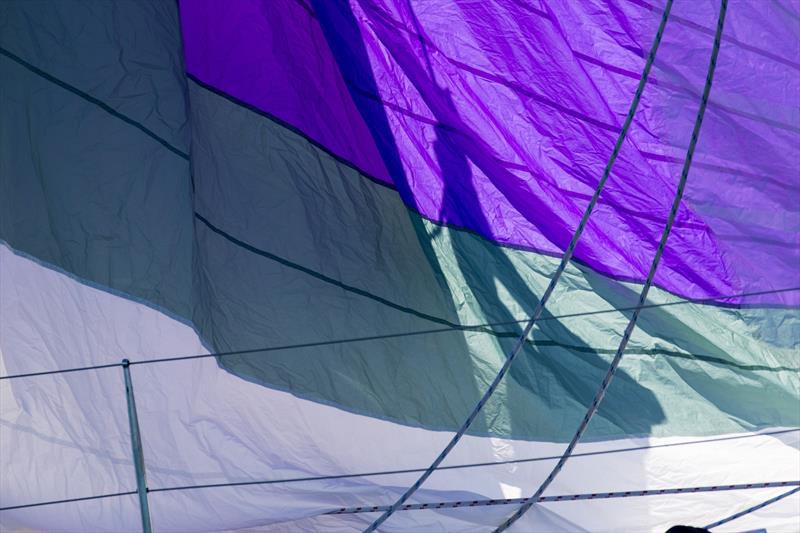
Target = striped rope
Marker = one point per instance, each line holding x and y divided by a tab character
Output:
598	398
550	287
753	508
571	497
485	503
257	482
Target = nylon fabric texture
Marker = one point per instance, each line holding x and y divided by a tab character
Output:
316	230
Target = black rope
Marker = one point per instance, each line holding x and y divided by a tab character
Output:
563	497
452	467
612	369
360	339
64	371
492	502
476	327
70	500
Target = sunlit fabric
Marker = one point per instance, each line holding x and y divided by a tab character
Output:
317	228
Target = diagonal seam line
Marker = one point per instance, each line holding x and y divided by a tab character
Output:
284	124
550	288
365	175
453	326
185	156
91	99
752	509
600	394
322	277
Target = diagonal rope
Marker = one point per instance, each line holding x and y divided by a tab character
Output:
573	497
529	502
753	508
494	502
550	287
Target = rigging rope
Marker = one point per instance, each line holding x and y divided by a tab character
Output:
491	502
529	502
462	466
69	500
385	336
574	497
753	508
550	287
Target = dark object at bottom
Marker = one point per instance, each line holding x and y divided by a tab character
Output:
687	529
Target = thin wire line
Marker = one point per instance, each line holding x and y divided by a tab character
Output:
64	371
465	503
483	503
548	291
480	328
565	498
753	508
389	335
612	369
70	500
469	465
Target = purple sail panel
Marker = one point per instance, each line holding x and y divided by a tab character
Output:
499	117
745	182
514	135
273	56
